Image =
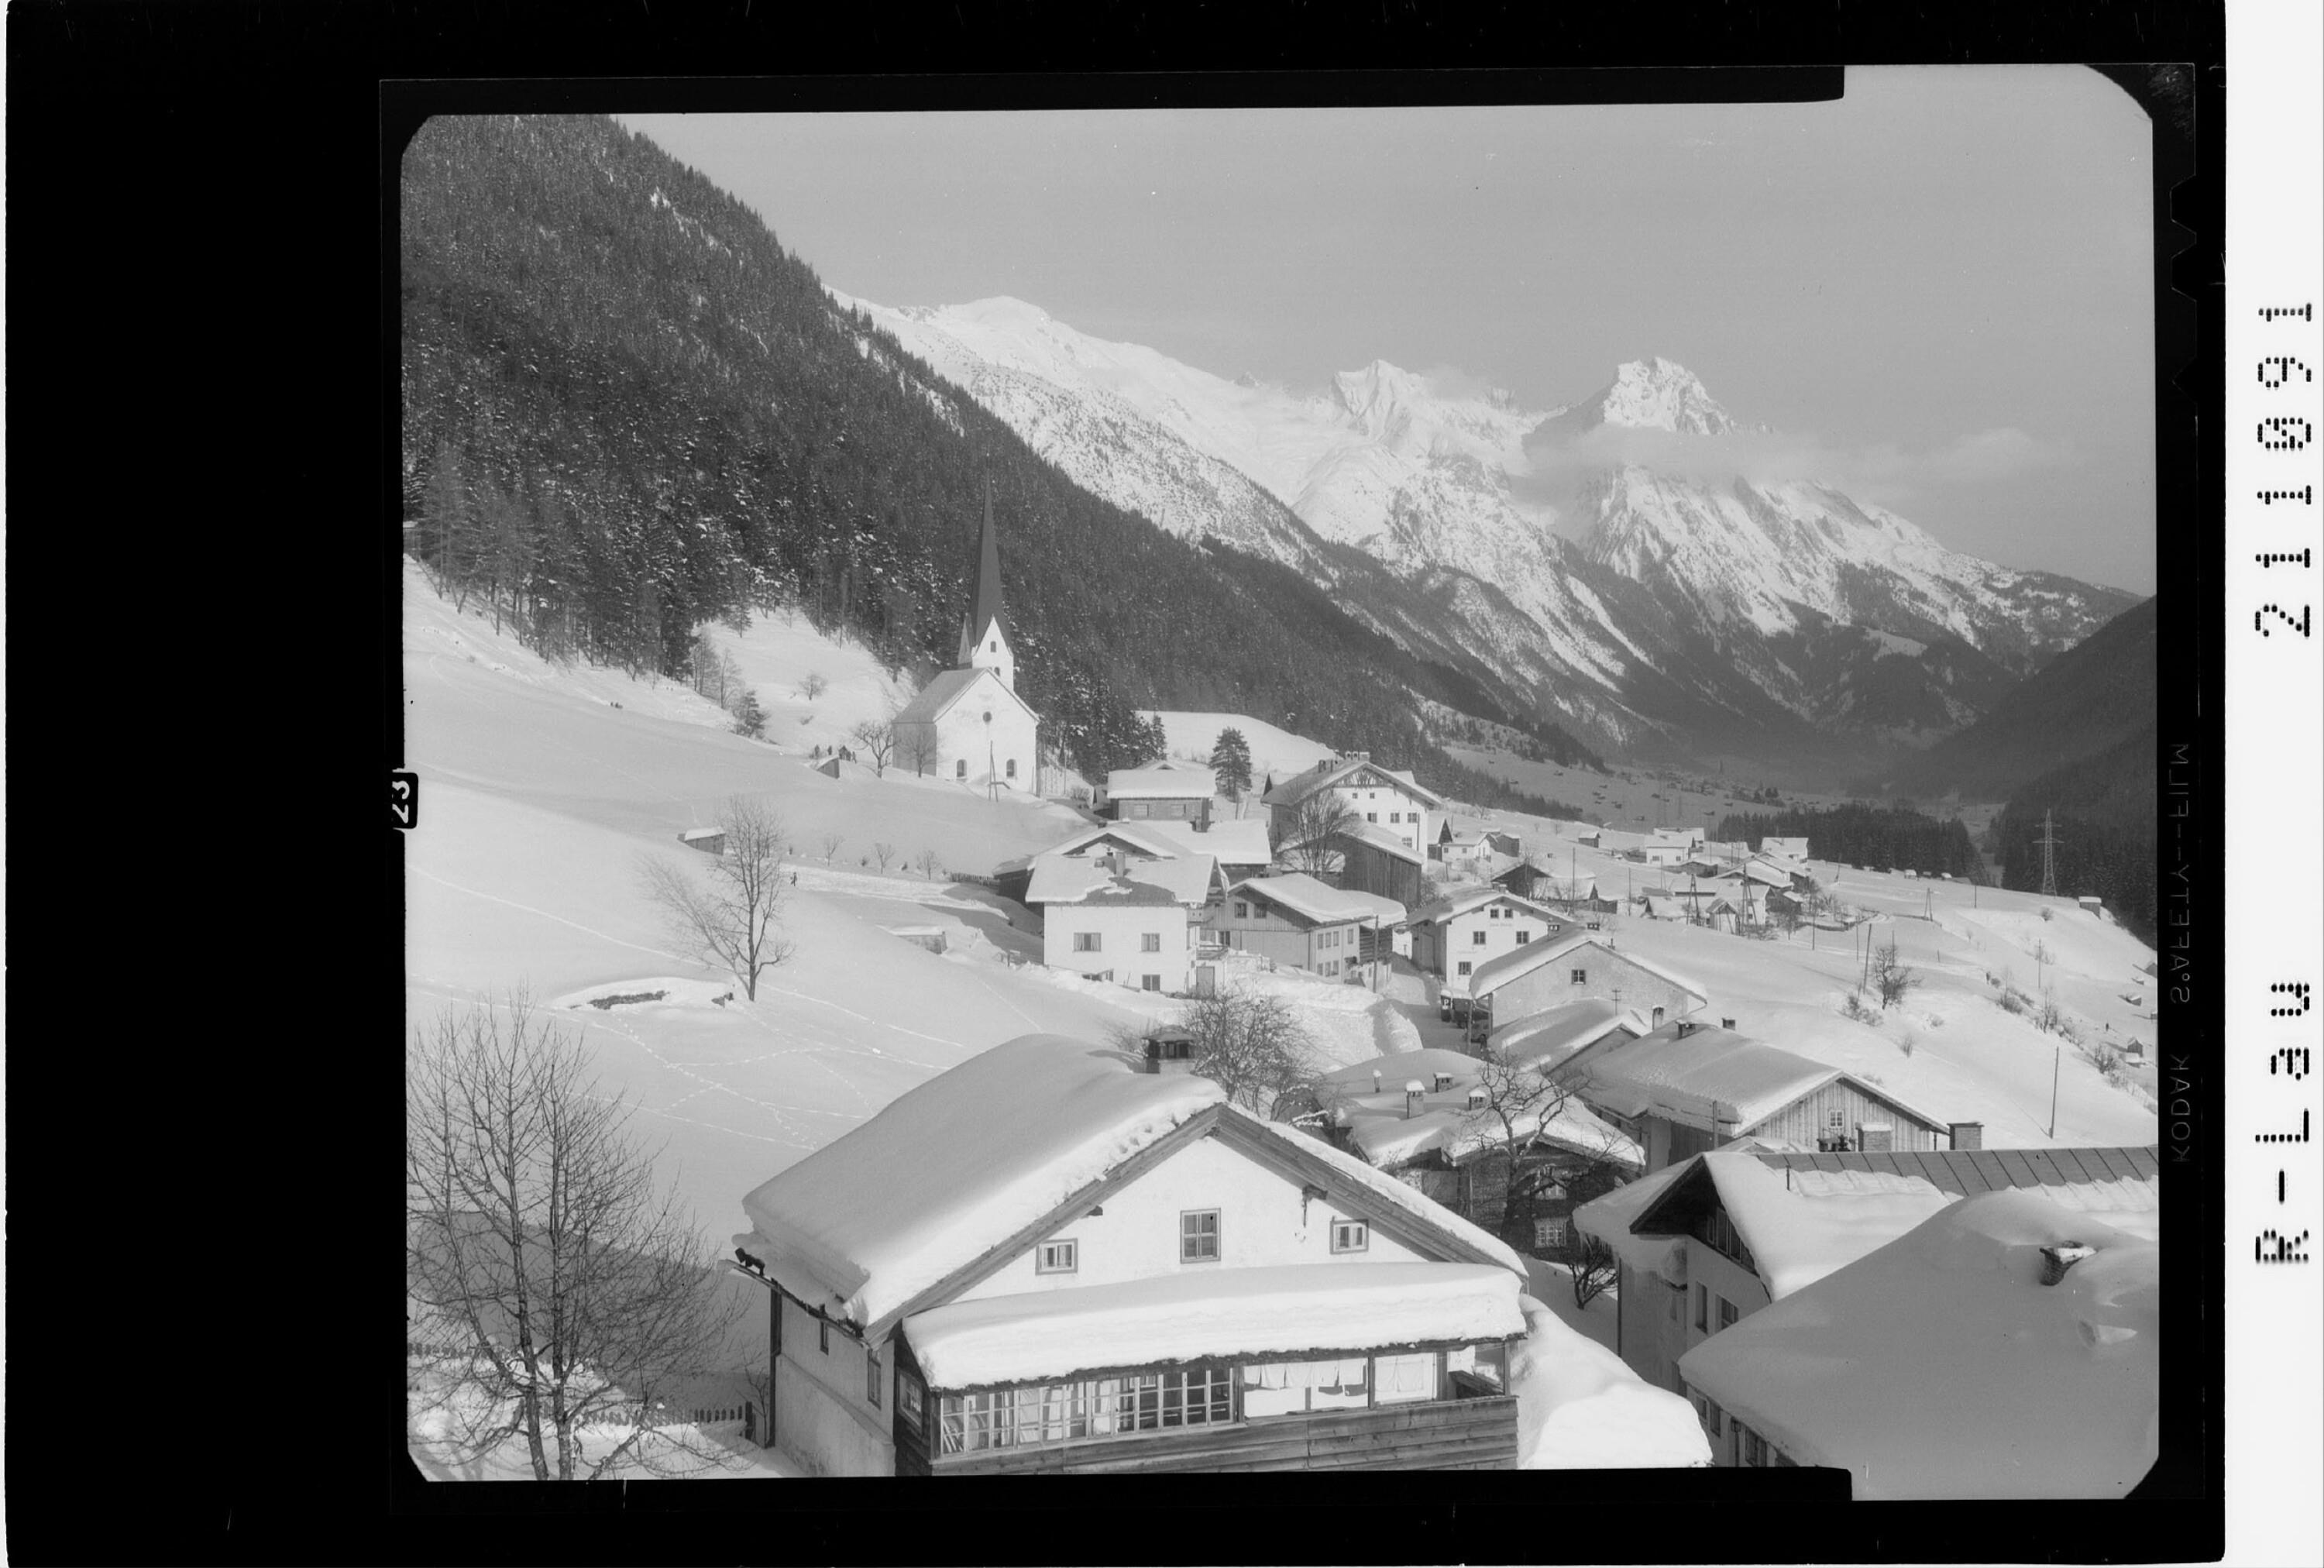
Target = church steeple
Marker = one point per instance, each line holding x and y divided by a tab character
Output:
984	639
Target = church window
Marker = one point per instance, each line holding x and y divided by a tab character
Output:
993	647
960	767
1013	767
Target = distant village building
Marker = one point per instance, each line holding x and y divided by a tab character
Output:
1792	848
1563	888
1118	905
1460	846
1046	1262
708	840
2007	1346
968	725
1706	1243
1687	1088
1302	923
1380	797
1454	937
1537	977
1420	1115
1180	791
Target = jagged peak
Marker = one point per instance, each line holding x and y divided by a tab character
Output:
1658	394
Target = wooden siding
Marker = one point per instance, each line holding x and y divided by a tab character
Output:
1369	869
1809	1118
1451	1434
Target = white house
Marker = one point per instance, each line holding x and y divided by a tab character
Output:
1112	910
1541	975
1047	1261
968	725
2008	1346
1454	937
1178	791
1393	800
1295	920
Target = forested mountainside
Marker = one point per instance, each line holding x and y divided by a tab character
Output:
1879	838
2103	816
2087	700
627	411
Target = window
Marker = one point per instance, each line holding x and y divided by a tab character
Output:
1291	1388
1396	816
823	1335
1548	1232
1013	767
1150	982
1658	1016
1371	817
1524	935
1089	942
1476	938
1099	1407
960	767
1198	1236
1464	966
911	1400
871	1373
1726	1314
1351	1235
1712	1417
1755	1451
1836	1119
1702	1307
1581	977
1242	911
993	646
1150	942
1063	1256
1677	1293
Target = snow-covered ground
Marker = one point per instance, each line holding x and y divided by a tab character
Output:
1272	751
711	1450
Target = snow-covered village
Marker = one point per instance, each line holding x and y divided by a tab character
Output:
983	901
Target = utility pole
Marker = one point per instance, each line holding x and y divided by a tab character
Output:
2050	842
2057	1056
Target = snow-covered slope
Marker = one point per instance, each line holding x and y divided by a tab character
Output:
1671	599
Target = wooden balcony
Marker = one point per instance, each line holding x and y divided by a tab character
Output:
1469	1434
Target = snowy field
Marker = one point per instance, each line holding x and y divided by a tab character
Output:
1279	752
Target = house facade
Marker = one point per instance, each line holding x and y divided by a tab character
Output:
1111	912
968	725
1302	923
1198	1289
1456	937
1536	978
1393	800
1373	860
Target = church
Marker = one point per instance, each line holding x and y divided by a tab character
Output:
968	725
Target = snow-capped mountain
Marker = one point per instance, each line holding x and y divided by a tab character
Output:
1659	609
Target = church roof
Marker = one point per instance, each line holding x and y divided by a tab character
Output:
984	590
945	690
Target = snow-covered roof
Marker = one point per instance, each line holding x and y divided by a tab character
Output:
1458	904
949	687
1379	1131
1939	1366
950	1169
1300	1310
1305	896
1387	842
1800	1225
1062	879
1608	1218
1235	840
1160	782
692	834
1707	1077
1141	837
1300	786
1547	1037
1495	973
1385	909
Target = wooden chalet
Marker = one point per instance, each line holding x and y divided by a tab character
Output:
1046	1262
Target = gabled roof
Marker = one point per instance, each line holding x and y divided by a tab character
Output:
1499	972
959	1167
1235	840
1461	904
1090	882
1386	843
1142	838
1939	1366
947	688
1300	786
1551	1036
1713	1077
1309	899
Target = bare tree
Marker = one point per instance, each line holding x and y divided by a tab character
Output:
917	747
1252	1044
885	853
1307	834
812	685
878	739
1590	1262
1519	1101
582	1296
1890	976
831	843
733	920
930	863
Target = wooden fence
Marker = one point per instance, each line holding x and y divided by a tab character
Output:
629	1411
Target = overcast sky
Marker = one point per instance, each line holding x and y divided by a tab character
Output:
1936	289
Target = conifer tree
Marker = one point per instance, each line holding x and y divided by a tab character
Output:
1230	761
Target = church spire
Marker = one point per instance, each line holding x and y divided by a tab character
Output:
984	624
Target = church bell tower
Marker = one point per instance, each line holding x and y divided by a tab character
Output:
984	639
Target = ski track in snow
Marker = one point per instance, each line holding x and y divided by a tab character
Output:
530	910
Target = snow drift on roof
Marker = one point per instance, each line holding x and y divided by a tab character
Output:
2007	1388
1072	880
1386	1137
1579	1406
1705	1076
1819	1221
1160	782
1287	1309
1544	1037
952	1169
1304	895
1235	840
1141	837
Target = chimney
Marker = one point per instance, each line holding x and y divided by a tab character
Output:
1412	1093
1685	1028
1968	1134
2056	1259
1727	1023
1443	1082
1875	1137
1375	1080
1476	1098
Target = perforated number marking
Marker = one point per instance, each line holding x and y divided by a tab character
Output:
2261	626
2295	988
2276	371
